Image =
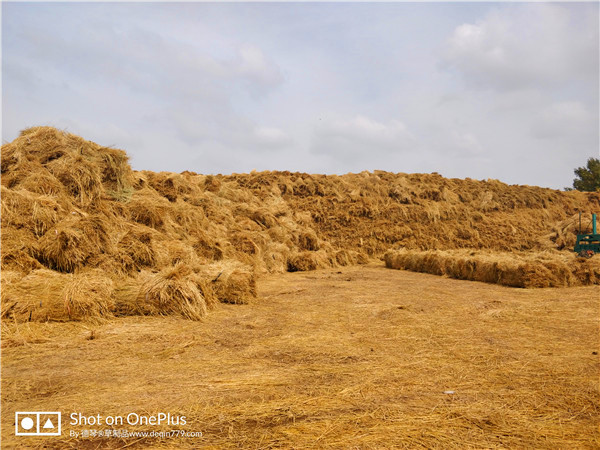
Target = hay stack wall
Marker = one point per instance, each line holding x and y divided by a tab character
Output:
375	211
89	237
92	238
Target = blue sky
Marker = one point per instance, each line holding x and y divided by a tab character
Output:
481	90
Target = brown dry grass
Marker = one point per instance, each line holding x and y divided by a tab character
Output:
341	358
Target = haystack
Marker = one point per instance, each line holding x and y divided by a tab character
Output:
231	282
74	241
174	290
148	208
47	295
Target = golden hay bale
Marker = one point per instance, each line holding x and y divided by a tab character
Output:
93	167
309	260
74	240
25	210
19	248
308	240
169	185
49	295
231	282
205	245
135	249
271	221
148	208
174	290
509	269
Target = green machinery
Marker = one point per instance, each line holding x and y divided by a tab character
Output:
587	244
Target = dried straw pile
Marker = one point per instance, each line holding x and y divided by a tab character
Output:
84	236
373	212
518	269
516	231
93	238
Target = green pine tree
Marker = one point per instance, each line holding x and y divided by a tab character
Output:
588	178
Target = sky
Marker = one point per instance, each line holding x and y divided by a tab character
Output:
506	91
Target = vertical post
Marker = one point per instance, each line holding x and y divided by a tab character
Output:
593	223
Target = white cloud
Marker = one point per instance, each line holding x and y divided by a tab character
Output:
564	119
221	87
254	65
526	46
360	134
466	144
271	137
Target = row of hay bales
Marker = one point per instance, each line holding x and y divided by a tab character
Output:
517	269
85	236
44	294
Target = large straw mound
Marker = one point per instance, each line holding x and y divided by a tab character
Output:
172	243
544	269
375	211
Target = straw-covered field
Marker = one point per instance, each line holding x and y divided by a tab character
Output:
357	357
116	277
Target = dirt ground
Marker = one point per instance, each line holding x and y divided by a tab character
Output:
359	357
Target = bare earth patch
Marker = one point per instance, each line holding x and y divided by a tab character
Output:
359	357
